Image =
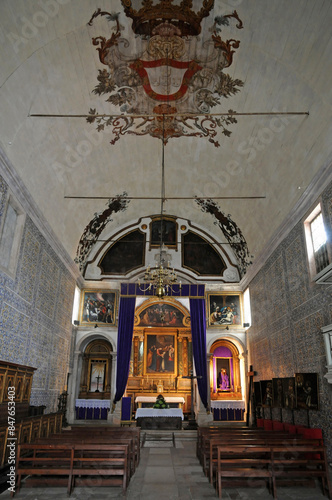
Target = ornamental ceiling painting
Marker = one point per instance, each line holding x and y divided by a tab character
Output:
169	86
233	97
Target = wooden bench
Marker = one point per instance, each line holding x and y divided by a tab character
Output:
243	462
62	463
300	462
272	463
229	438
204	434
82	438
131	432
211	459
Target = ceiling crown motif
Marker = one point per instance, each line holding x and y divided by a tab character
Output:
182	16
167	86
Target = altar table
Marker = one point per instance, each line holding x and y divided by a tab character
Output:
150	400
92	409
152	418
228	410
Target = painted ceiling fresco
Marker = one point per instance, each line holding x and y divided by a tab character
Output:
167	85
165	80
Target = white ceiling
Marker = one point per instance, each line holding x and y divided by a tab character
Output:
49	66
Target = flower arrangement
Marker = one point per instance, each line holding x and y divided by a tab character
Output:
160	403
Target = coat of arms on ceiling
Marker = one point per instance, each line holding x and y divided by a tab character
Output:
167	78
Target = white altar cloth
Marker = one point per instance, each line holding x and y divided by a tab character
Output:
152	399
228	405
154	412
92	403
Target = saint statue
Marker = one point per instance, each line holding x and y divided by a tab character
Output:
223	380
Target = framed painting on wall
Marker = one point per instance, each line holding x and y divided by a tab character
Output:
278	393
161	315
224	309
98	307
306	386
289	394
267	393
160	354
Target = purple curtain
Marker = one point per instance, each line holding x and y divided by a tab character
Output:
198	331
125	336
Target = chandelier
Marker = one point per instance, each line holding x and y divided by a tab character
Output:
160	278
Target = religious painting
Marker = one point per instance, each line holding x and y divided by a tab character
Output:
267	393
161	314
97	376
160	354
289	394
163	230
125	255
306	386
278	392
200	256
223	375
224	309
98	307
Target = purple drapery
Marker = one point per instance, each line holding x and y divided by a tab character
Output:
198	331
125	336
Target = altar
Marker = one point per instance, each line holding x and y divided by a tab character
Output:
159	419
148	401
92	409
228	410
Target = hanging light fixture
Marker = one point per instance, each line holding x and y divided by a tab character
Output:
161	278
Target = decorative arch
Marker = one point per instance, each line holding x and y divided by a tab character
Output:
96	370
225	355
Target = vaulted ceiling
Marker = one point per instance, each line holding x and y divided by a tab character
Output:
258	58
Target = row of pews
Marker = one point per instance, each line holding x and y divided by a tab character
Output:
233	457
80	456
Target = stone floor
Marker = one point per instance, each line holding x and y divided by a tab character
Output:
168	470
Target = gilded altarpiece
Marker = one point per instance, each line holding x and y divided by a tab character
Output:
161	355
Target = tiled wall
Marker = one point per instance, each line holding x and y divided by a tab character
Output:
288	311
35	314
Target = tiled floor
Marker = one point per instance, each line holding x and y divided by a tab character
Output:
168	470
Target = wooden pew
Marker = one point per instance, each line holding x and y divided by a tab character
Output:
78	439
44	460
301	462
64	463
131	432
230	437
272	463
212	457
240	463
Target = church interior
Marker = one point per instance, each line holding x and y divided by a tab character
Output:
165	215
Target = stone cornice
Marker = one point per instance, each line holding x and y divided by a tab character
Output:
20	192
